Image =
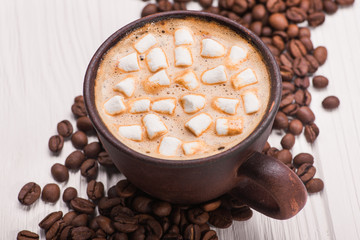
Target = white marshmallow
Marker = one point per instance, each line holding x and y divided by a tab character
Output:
140	106
183	57
251	102
212	48
159	79
115	105
214	76
165	105
199	123
226	105
189	80
183	36
132	132
126	86
156	59
237	55
244	78
169	146
193	103
145	43
154	126
129	63
228	126
191	148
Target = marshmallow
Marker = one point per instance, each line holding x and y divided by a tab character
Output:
139	105
251	102
189	80
226	105
126	86
193	103
214	76
145	43
165	105
132	132
169	146
156	59
129	63
244	78
183	36
228	126
199	123
212	48
154	126
183	57
237	55
115	105
191	148
159	79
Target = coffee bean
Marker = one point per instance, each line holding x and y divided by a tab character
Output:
59	172
69	194
300	67
278	42
82	205
192	232
79	140
297	48
84	124
126	224
296	15
66	232
142	204
303	97
82	233
311	132
320	53
302	158
105	224
312	63
75	159
288	141
172	236
80	220
292	31
306	172
315	19
56	143
259	12
284	156
27	235
256	27
125	189
106	204
281	121
278	21
330	7
304	32
197	216
149	9
286	100
314	185
302	82
179	6
274	6
305	115
78	109
50	193
55	230
164	6
220	218
65	128
331	102
320	82
226	4
272	151
154	229
241	214
89	169
265	149
295	127
79	99
112	192
240	6
287	61
210	235
206	3
211	206
104	159
95	190
161	208
50	219
29	193
68	217
92	150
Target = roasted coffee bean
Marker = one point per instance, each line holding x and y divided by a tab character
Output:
138	234
212	9
82	205
305	115
106	204
89	169
330	7
69	194
92	150
265	149
287	73
312	63
320	82
241	214
29	193
240	6
275	51
95	190
304	32
302	158
307	43
297	48
125	189
210	235
206	3
211	206
149	9
286	60
192	232
266	31
161	209
82	233
121	211
119	236
275	6
295	127
50	219
220	218
256	27
306	172
226	4
278	21
314	185
164	6
78	109
315	19
311	132
55	230
306	5
278	42
296	15
65	128
56	143
68	217
142	204
79	99
284	156
300	67
331	102
105	224
179	6
172	236
66	233
292	31
75	159
104	159
286	100
50	193
288	141
80	220
272	151
112	193
27	235
281	121
165	223
84	124
79	140
153	228
302	82
302	97
59	172
320	53
259	12
290	109
125	223
197	216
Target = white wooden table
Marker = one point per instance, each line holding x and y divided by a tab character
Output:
45	46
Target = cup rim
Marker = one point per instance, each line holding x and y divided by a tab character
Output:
274	98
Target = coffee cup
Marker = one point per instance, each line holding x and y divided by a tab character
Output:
260	181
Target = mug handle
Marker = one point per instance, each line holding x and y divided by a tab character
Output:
270	187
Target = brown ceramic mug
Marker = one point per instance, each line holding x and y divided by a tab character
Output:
262	182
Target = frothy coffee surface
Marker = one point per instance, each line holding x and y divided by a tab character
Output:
182	89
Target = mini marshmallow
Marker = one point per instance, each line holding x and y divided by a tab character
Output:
132	132
244	78
228	126
183	57
156	59
199	123
159	79
193	103
189	80
169	146
212	48
237	55
145	43
154	126
183	36
251	102
139	105
115	105
214	76
126	86
165	105
191	148
226	105
129	63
